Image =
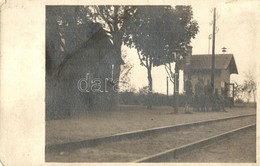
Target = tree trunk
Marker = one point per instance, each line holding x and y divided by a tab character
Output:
114	100
114	94
150	87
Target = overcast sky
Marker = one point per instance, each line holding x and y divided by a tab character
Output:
236	22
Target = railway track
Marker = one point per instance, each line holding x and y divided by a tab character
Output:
167	141
172	153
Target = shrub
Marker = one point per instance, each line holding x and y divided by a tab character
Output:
130	98
239	101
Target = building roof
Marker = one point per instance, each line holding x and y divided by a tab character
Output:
222	61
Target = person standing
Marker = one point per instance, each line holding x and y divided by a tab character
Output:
208	89
219	104
188	94
199	95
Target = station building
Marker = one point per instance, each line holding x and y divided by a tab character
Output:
199	66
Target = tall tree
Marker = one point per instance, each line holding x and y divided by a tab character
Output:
114	19
189	29
156	32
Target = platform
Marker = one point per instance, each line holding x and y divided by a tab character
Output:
128	118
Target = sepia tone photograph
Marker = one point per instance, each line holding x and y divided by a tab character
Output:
150	83
143	82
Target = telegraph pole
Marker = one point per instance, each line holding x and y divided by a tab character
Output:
213	50
176	84
209	44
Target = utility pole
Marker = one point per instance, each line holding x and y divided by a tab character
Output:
176	84
213	50
209	44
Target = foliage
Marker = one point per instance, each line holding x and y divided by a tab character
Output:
239	101
131	98
238	92
157	32
154	31
113	19
144	90
69	27
125	81
68	30
249	87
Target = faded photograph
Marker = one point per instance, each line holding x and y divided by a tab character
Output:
148	83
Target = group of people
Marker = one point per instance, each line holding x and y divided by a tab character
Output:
205	98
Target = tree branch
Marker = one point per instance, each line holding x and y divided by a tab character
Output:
115	19
127	71
108	32
168	70
147	63
104	18
142	63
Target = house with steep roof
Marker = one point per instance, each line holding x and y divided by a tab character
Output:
199	66
90	60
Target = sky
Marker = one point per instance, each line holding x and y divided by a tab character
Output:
236	23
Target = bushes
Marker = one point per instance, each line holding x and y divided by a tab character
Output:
131	98
239	101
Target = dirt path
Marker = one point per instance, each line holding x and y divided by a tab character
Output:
130	118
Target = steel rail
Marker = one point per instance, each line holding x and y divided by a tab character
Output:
162	156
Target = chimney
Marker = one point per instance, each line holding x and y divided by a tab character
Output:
189	50
189	54
187	63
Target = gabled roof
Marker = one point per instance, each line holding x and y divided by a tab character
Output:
222	61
